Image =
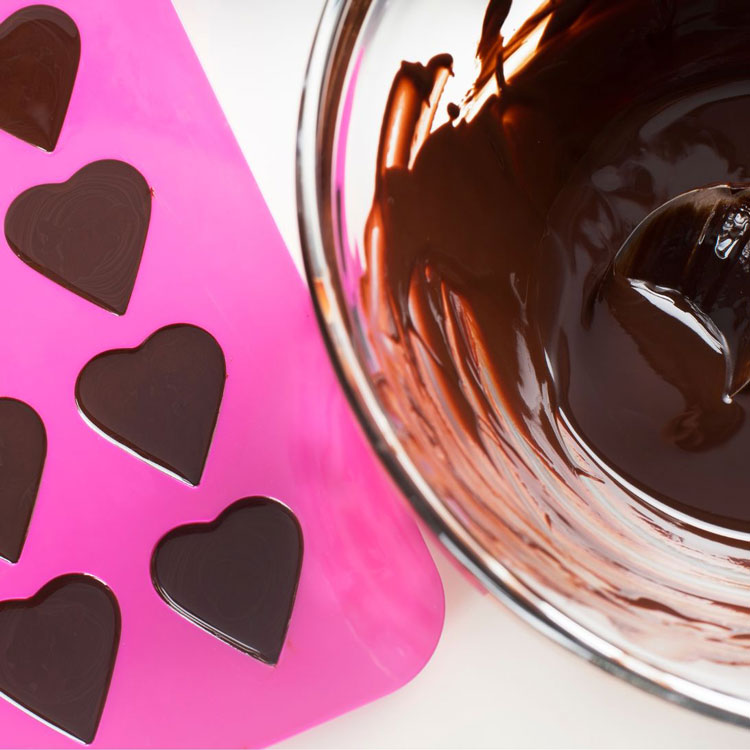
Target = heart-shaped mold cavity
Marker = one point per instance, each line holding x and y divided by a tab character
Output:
237	576
23	449
40	48
86	234
160	400
58	652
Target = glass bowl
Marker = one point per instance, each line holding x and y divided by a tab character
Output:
635	589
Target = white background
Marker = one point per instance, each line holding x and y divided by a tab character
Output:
493	681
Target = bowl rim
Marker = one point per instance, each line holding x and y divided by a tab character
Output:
339	25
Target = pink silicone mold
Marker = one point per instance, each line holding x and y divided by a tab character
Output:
369	607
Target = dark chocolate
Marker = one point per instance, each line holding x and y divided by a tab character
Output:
23	449
489	240
58	651
237	576
40	48
86	234
159	400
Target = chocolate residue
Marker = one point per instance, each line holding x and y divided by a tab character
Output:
86	234
40	48
160	400
58	652
23	449
489	239
582	431
235	577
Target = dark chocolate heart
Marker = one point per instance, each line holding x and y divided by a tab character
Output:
88	233
23	448
39	52
235	577
58	650
159	400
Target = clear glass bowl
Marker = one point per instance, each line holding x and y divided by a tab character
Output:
630	587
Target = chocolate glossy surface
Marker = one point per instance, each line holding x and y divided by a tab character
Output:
235	577
58	651
159	400
87	233
40	48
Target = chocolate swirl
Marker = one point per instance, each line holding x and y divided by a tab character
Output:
529	402
88	233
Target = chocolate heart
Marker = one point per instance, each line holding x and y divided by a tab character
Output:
39	52
88	233
235	577
23	448
58	650
160	400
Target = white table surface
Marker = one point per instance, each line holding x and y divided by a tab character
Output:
493	682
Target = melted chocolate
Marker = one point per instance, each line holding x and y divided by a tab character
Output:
159	400
39	52
23	449
88	233
58	651
490	239
237	576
